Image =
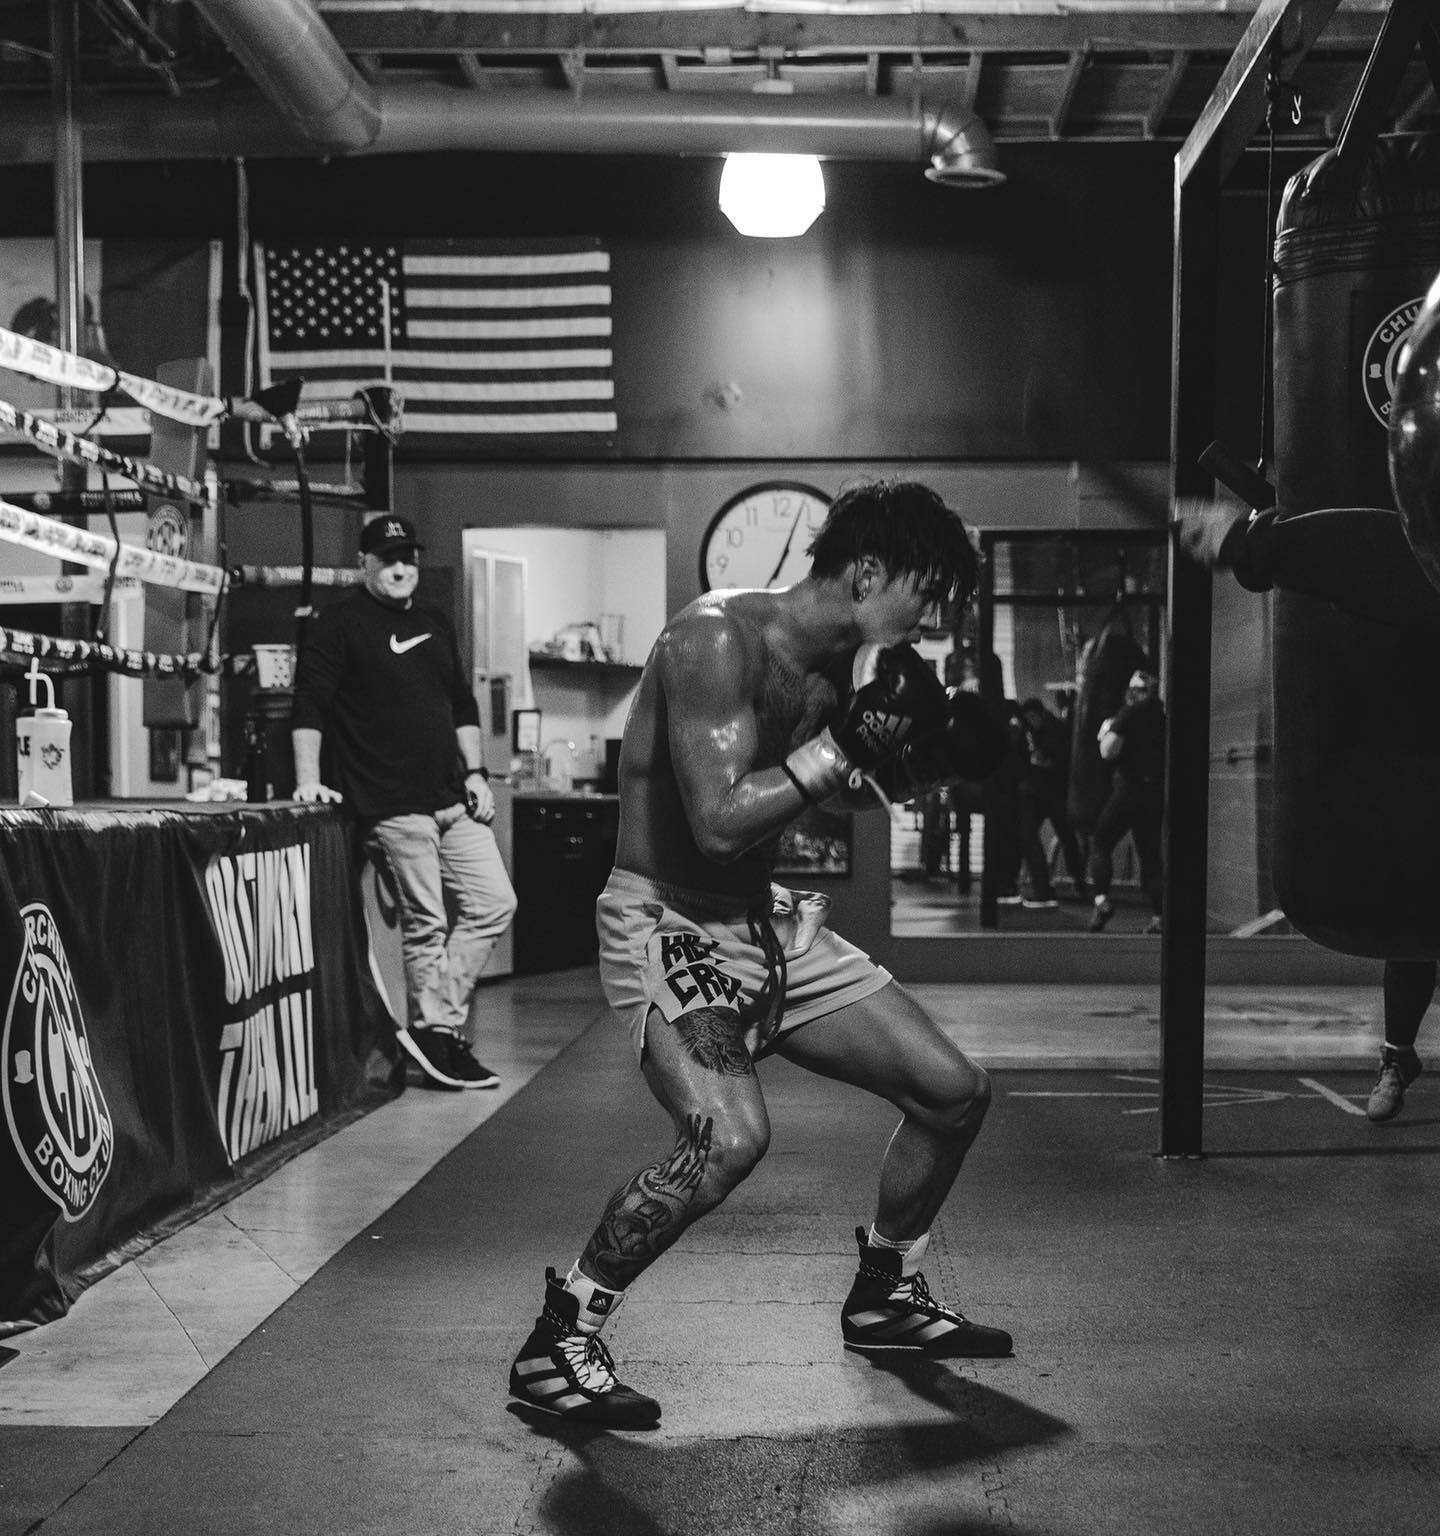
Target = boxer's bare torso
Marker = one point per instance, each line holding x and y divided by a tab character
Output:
735	681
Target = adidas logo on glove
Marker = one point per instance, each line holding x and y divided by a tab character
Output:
883	733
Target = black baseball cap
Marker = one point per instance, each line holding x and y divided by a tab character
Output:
386	533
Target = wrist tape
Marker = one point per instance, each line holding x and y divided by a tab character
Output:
819	768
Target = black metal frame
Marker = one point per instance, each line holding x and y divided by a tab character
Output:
1280	34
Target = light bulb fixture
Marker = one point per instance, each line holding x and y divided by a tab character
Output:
773	197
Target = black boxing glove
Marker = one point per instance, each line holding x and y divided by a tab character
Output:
896	697
971	744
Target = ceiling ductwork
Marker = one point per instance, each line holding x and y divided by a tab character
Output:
294	60
424	118
309	100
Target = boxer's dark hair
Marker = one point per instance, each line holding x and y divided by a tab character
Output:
908	529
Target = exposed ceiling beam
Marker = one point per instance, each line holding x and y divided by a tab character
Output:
1165	95
973	66
1011	30
1068	86
1236	107
473	70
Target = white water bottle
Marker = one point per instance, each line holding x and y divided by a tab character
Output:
42	747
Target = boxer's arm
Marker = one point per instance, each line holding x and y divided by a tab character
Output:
708	674
1357	558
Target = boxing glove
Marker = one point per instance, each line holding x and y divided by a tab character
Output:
895	697
971	744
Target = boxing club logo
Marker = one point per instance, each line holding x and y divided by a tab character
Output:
59	1121
1380	361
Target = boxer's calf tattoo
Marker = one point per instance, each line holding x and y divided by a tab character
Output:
712	1038
645	1216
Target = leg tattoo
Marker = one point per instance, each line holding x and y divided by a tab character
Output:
711	1038
645	1216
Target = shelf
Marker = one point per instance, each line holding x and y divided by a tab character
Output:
585	671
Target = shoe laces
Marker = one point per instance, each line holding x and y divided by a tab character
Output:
460	1051
917	1293
589	1360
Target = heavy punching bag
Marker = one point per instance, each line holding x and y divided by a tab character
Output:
1357	710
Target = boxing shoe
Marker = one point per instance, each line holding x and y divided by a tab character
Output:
1398	1069
887	1312
562	1371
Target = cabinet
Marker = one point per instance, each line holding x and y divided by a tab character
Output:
564	852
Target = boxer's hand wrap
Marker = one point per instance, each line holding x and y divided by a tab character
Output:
819	769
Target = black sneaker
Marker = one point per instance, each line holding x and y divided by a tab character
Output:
885	1313
1104	911
562	1371
1398	1069
445	1058
464	1066
1038	903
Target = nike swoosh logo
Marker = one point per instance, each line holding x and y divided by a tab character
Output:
401	646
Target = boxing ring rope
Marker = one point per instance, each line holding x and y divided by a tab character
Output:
62	444
378	408
32	530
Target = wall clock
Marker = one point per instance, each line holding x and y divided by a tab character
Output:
759	538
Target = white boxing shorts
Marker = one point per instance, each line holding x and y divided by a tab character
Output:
680	951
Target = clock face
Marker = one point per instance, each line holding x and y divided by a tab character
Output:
759	538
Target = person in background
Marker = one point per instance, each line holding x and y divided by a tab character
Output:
385	721
1044	771
1132	740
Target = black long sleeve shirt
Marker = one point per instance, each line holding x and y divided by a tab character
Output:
386	688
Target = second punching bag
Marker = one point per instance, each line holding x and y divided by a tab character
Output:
1357	708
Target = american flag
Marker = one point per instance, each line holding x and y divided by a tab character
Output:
486	339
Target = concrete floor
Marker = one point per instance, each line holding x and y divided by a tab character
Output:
1247	1338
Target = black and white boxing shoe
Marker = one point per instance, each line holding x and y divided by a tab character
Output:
562	1371
890	1313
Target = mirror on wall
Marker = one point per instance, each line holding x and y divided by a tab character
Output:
1064	625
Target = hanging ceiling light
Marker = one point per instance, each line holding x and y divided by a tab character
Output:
774	197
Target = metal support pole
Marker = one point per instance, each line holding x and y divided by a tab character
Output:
69	206
1286	30
89	710
1187	742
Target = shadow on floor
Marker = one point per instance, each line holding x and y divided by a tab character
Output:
844	1479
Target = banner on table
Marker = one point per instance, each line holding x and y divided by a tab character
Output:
186	995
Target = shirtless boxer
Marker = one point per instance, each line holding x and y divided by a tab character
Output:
752	706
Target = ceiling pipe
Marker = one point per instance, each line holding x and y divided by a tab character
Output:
420	117
297	65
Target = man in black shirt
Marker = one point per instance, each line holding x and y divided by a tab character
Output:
386	721
1133	741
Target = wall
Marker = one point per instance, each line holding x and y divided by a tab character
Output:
573	577
1010	346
